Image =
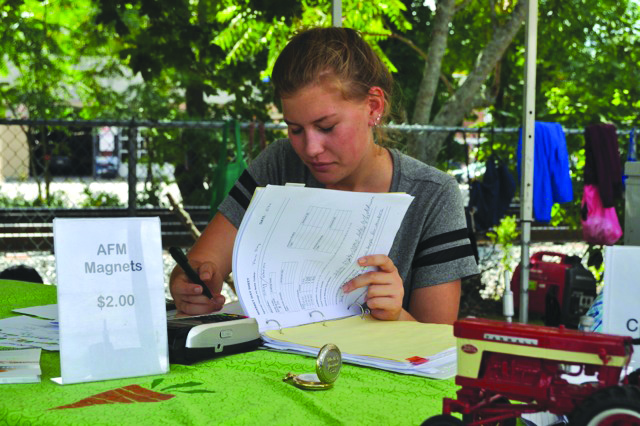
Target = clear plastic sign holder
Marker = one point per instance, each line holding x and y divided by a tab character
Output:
111	305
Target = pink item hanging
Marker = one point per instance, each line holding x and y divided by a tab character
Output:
600	225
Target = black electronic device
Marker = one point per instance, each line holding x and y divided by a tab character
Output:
198	338
560	288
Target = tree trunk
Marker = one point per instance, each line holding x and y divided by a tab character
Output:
433	64
427	146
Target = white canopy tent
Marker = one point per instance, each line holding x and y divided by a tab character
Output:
528	141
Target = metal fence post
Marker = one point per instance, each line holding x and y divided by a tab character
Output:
132	177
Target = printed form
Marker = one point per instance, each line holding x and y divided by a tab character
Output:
297	246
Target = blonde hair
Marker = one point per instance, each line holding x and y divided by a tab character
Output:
336	54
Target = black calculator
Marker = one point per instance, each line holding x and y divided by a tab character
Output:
198	338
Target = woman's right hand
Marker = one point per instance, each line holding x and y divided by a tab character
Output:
188	296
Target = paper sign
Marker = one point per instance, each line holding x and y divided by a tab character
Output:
111	306
620	313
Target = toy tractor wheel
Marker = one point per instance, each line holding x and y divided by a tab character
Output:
615	405
634	377
468	418
443	420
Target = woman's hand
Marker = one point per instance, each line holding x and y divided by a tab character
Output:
210	257
385	292
188	296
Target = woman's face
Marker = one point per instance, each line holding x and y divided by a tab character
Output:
330	134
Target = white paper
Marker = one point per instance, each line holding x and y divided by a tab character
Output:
620	314
27	332
441	366
297	246
111	304
20	366
44	311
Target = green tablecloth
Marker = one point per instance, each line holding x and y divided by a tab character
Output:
234	390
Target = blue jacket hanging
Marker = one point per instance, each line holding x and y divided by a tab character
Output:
551	174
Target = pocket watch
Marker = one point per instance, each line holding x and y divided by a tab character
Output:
328	364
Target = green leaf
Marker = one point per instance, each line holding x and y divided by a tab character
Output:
182	385
156	382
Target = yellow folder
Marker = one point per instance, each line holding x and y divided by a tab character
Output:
367	336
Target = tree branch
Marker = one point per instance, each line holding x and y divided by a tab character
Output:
483	100
184	217
457	107
437	46
420	52
462	5
460	104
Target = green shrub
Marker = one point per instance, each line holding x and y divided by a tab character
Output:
56	199
100	199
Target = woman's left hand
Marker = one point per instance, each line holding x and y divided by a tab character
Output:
385	292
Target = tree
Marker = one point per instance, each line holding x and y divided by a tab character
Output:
253	26
213	47
50	50
377	21
470	94
450	60
175	40
586	67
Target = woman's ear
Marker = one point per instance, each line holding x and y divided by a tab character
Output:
375	103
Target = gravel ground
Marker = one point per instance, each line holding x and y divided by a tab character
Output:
44	263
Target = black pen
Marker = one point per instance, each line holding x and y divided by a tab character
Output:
179	256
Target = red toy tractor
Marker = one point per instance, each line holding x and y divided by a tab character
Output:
500	362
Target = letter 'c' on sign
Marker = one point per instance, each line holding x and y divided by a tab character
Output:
632	324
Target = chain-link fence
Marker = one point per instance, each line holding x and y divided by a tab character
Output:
60	168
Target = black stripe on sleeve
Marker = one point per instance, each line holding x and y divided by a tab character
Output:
443	256
237	195
447	237
248	182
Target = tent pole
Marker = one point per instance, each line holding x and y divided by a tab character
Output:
528	143
336	13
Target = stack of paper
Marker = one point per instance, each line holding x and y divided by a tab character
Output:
20	366
297	247
406	347
27	332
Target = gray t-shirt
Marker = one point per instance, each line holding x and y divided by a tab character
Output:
432	245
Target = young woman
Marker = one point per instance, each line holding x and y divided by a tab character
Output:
335	91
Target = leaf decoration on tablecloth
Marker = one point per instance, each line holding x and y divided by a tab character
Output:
182	385
124	395
156	382
134	393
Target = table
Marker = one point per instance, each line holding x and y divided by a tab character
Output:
233	390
